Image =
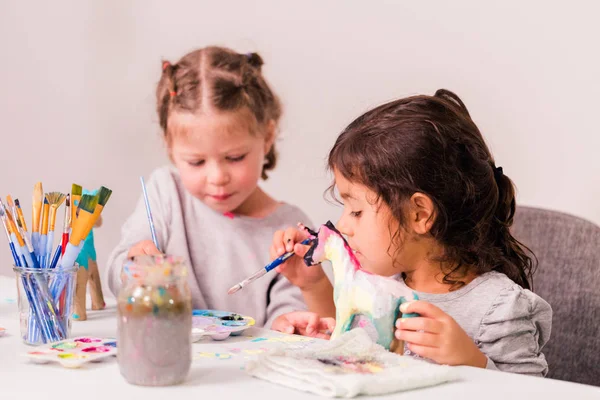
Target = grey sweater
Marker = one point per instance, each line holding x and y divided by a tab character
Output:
509	324
220	250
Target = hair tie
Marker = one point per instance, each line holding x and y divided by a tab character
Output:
498	172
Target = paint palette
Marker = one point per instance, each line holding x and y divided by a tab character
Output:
219	325
73	353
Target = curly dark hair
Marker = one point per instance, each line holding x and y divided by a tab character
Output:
221	78
430	145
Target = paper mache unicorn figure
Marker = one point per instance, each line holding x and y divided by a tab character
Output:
358	293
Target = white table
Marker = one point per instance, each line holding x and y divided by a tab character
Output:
215	378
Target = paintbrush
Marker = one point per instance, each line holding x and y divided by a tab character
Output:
67	224
44	233
76	192
20	216
36	205
55	199
261	272
84	221
103	196
8	235
11	205
149	214
25	247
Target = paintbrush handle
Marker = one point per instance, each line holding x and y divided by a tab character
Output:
57	254
281	259
149	214
65	241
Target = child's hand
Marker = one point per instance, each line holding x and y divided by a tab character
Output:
437	336
304	323
294	268
142	248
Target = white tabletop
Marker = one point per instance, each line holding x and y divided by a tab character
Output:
211	377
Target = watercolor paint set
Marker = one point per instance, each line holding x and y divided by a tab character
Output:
73	353
218	325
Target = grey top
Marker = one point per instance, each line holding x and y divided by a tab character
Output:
509	324
220	250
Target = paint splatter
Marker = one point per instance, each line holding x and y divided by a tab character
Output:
111	344
36	353
229	215
260	339
10	300
96	349
65	345
87	340
343	364
67	355
235	350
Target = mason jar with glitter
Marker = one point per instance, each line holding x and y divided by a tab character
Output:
154	321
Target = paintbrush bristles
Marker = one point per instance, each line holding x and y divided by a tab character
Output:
87	203
55	199
85	219
104	195
67	221
76	191
20	216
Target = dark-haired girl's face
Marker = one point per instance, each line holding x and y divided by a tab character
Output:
368	227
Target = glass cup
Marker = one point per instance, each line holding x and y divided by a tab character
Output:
154	321
45	301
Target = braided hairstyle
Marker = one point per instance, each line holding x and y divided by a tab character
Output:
221	79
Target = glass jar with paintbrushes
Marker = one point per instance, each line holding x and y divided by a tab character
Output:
154	321
46	283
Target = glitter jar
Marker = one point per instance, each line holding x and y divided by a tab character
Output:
154	321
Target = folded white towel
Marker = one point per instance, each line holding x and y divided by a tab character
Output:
346	367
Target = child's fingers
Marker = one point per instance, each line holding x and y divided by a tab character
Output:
278	243
420	338
424	351
419	324
150	249
289	238
327	324
423	308
145	247
300	249
282	324
323	335
312	324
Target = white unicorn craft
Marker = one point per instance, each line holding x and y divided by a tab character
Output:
358	294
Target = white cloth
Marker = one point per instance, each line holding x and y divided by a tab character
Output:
346	367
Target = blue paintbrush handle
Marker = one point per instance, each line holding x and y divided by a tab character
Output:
14	254
281	259
56	257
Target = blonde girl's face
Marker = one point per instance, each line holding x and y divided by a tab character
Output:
219	157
